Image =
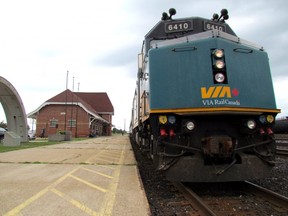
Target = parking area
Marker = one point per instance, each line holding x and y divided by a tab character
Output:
97	176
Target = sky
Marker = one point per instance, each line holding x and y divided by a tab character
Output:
98	43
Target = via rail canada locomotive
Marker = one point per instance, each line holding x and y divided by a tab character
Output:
204	105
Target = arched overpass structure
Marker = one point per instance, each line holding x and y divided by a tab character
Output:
14	109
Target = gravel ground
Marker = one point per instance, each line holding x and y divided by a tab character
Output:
278	181
164	198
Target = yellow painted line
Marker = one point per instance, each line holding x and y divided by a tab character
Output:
96	155
112	154
108	203
109	156
111	159
23	205
104	160
32	199
97	172
76	203
89	184
115	151
213	109
107	167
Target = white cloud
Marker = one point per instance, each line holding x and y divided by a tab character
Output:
98	43
280	89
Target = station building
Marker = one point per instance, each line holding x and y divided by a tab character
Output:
83	113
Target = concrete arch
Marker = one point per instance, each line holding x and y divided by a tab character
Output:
13	109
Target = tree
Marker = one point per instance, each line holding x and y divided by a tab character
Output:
118	131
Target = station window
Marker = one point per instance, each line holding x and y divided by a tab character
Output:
72	123
53	123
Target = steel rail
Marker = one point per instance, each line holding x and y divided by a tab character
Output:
194	199
282	151
203	209
276	198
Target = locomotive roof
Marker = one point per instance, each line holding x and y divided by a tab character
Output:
177	28
194	25
169	28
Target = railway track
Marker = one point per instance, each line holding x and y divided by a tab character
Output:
282	145
283	152
281	139
239	199
166	199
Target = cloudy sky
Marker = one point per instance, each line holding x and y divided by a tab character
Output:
98	42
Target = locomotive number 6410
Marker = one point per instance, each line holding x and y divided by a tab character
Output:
211	26
178	26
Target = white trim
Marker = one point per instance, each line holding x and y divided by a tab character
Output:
32	114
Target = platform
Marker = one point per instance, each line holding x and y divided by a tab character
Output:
97	176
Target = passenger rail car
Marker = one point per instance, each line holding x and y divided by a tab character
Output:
204	105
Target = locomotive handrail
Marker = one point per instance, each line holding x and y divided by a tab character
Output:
252	145
181	146
241	50
204	35
184	49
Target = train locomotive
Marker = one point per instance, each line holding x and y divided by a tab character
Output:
204	106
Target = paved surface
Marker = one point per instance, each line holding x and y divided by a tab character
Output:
97	176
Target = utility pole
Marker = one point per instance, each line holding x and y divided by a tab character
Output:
66	101
124	124
76	135
71	120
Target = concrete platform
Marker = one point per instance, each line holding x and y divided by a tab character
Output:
97	176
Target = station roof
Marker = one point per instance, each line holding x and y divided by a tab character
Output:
94	103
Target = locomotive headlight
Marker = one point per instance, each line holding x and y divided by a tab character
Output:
270	118
171	119
251	124
190	125
218	53
262	119
219	64
162	119
219	77
266	119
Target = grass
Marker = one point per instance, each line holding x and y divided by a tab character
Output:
32	144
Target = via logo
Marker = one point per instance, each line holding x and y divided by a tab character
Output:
218	92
